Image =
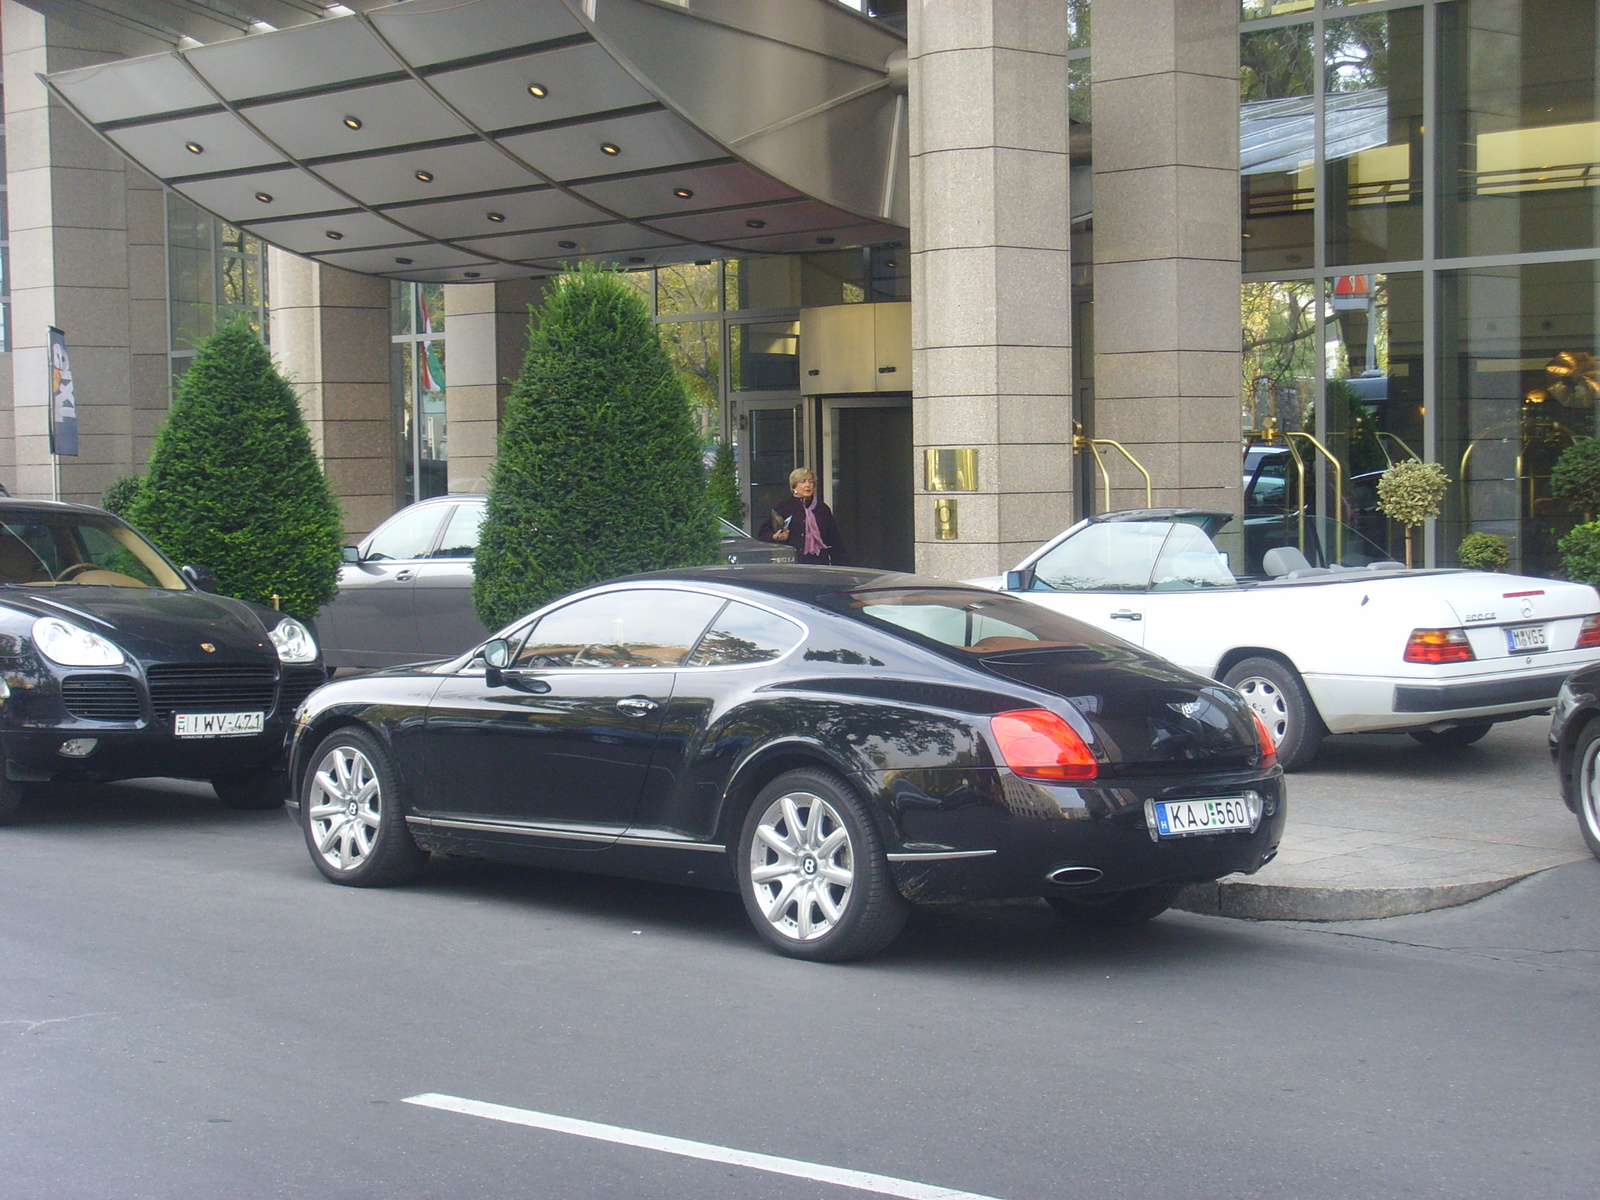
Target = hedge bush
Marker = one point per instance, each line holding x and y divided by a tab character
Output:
119	497
1483	552
1580	554
1575	478
599	471
234	484
723	487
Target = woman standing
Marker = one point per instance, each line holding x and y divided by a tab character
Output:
805	523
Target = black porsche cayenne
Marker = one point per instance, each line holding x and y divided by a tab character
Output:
114	664
832	743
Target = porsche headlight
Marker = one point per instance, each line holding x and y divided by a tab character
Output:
294	642
73	646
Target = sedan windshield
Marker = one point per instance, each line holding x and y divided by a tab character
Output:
974	621
43	549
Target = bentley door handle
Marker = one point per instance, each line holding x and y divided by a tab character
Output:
1126	614
637	706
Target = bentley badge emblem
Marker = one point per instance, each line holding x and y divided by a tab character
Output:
1188	708
208	647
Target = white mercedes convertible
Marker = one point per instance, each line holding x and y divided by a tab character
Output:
1366	645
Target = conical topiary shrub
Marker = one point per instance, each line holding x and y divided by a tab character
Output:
234	484
599	471
723	487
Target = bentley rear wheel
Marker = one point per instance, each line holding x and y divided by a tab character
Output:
812	870
1586	784
351	810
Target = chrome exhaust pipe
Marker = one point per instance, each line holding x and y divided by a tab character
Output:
1071	876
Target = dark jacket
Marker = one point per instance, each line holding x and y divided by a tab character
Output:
794	509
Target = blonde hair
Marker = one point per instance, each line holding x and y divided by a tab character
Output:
799	473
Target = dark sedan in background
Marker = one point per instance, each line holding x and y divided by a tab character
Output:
832	743
405	593
114	664
1575	746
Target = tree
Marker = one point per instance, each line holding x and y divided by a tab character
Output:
723	487
118	498
599	471
1411	492
1576	476
1580	554
235	485
1483	552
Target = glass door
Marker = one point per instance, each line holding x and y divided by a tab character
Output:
772	444
868	478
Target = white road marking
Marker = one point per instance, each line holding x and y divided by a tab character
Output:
864	1181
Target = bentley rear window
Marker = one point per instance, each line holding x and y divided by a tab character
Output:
977	622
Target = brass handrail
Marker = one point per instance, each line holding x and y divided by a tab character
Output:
1395	437
1338	491
1081	442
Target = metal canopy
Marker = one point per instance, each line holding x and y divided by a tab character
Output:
451	140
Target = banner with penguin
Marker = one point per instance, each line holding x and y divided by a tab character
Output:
63	404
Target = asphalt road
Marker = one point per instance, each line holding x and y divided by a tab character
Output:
188	1010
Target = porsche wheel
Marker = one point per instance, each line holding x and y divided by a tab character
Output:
1274	690
351	810
812	871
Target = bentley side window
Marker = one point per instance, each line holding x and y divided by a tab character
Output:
643	627
745	634
1105	556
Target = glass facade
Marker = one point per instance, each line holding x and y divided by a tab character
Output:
422	428
215	271
5	240
1421	228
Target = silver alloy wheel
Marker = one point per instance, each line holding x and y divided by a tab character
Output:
1589	789
345	807
802	866
1269	703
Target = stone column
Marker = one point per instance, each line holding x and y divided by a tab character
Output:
991	273
330	334
87	256
1166	247
486	336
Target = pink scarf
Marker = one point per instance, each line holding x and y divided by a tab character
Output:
812	543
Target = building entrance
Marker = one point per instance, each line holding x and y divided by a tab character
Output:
868	479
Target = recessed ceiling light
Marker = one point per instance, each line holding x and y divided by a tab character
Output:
824	241
405	262
333	235
425	176
472	274
636	258
538	91
610	148
568	245
264	197
683	193
352	122
194	147
495	216
753	223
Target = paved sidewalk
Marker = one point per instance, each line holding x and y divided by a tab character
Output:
1379	827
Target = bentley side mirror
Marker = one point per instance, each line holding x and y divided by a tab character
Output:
1020	581
349	554
200	578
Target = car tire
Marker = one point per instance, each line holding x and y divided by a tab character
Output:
1275	691
14	797
254	791
1586	783
812	870
1454	737
353	813
1115	910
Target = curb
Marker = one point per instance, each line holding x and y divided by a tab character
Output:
1268	902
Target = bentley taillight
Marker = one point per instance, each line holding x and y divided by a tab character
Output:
1037	744
1589	635
1269	748
1438	646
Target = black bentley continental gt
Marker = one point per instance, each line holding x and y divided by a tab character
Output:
115	664
832	743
